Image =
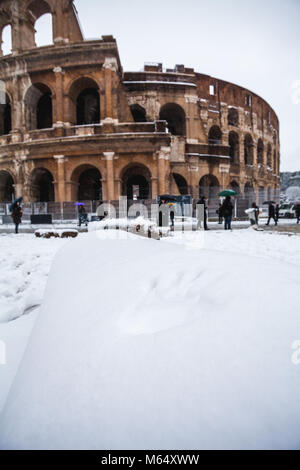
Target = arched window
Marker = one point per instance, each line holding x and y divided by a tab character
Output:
5	113
38	104
41	186
248	150
43	30
175	117
90	185
84	102
136	182
6	186
215	136
249	193
209	187
6	40
260	152
138	113
233	117
234	151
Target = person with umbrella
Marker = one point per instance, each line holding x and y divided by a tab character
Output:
16	213
271	212
226	211
82	215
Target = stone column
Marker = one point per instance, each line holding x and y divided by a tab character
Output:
154	187
58	114
163	168
110	67
110	182
60	184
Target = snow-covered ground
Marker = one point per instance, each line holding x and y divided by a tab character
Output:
181	343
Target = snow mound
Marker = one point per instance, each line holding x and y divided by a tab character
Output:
148	345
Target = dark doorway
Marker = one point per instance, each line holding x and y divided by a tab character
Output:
88	107
90	185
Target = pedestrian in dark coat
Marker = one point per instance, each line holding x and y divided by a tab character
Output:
202	201
17	216
82	216
271	214
256	212
297	210
277	212
226	212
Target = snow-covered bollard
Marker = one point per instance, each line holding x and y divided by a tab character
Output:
67	233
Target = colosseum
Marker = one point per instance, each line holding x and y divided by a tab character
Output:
75	126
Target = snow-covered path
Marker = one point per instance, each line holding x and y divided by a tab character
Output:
195	330
231	303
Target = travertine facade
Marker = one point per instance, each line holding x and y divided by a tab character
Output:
74	126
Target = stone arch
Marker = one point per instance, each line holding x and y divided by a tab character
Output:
175	117
39	9
86	183
234	147
181	183
233	117
248	150
136	181
209	186
260	152
38	107
235	186
249	193
274	161
84	101
5	113
215	136
138	113
6	186
41	185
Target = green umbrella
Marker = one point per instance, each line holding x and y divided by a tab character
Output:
227	192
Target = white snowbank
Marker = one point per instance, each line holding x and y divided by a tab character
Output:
145	344
25	263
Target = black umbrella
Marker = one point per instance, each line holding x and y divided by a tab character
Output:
167	197
269	202
19	200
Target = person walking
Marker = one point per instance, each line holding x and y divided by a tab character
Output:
226	212
271	213
82	216
277	212
17	216
297	210
256	211
202	201
219	214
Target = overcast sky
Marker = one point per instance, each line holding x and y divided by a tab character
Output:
254	43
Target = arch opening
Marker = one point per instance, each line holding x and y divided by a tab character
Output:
260	152
6	187
249	193
269	156
136	183
138	113
234	151
90	185
85	102
235	186
38	103
181	184
6	40
5	113
233	117
248	150
215	136
175	117
209	187
41	186
44	30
